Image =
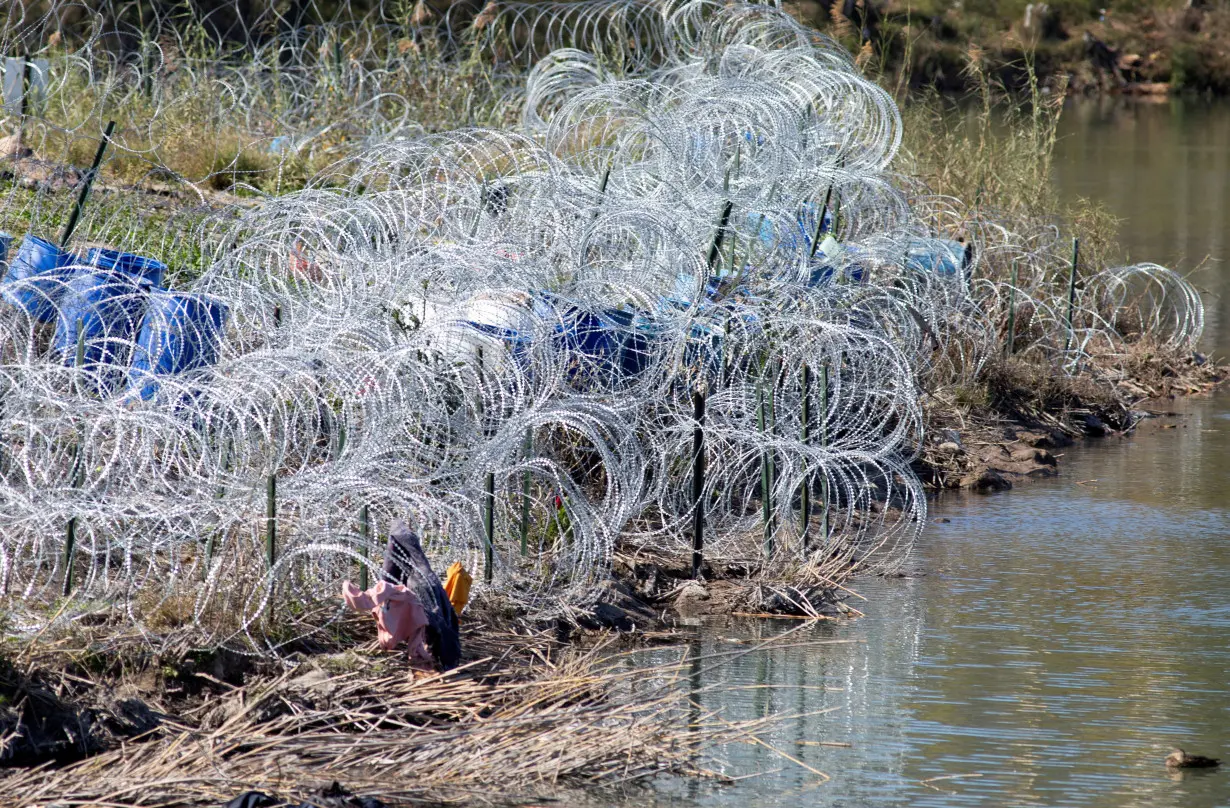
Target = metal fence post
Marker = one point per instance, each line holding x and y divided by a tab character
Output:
698	482
1076	248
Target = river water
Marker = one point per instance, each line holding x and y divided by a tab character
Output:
1164	169
1058	638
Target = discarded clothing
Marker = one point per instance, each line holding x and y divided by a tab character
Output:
406	564
457	586
399	616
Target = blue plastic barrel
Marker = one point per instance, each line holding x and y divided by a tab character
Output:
180	332
146	270
35	278
109	305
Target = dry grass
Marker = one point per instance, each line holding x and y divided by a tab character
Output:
523	720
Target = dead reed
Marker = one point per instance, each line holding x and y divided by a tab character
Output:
499	729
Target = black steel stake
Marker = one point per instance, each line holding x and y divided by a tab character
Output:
698	482
86	184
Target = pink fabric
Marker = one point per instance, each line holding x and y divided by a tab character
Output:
399	616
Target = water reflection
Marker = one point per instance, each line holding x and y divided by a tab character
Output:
1064	636
1066	633
1164	168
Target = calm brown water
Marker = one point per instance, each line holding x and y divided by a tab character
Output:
1063	635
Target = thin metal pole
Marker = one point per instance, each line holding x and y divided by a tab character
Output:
271	519
715	248
86	183
824	441
70	543
772	414
79	355
1011	312
841	163
815	241
766	497
725	369
606	176
364	539
488	489
27	68
805	486
525	493
698	482
1076	248
489	526
221	492
70	532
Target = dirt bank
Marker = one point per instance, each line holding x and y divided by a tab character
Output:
1137	49
1023	415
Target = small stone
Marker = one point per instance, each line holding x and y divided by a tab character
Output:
1044	440
986	482
949	447
1028	455
1093	425
604	615
44	176
690	601
948	436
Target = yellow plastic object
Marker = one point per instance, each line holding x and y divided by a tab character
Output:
457	586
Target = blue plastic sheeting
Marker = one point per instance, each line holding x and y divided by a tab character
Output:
36	278
683	292
611	340
939	255
796	237
144	270
109	306
852	259
608	339
822	274
180	332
